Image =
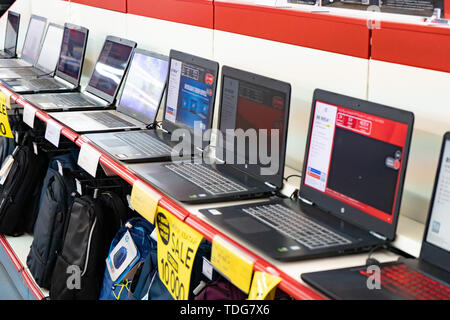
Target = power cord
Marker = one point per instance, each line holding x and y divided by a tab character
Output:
292	175
372	261
44	74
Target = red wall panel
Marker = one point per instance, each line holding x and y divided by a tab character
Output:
198	13
115	5
419	46
314	30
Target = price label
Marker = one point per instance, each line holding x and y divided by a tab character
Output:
5	129
53	132
88	159
144	200
177	246
29	114
232	263
263	286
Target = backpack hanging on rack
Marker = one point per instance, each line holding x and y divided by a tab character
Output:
79	267
19	198
140	231
56	199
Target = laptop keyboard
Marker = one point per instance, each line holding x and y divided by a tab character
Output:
43	83
144	143
70	100
305	231
109	120
205	178
410	284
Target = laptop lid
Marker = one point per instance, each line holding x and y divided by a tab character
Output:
144	86
71	56
12	32
110	68
191	93
35	31
258	108
50	49
436	241
355	160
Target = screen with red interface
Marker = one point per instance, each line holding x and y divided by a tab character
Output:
356	158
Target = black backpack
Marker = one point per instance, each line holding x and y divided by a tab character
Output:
20	193
91	226
56	200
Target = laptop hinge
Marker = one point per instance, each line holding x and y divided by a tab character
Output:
93	96
306	201
270	185
64	82
377	235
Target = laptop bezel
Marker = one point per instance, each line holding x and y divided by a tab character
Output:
270	83
110	98
201	62
26	58
13	53
431	253
62	75
333	206
51	24
125	110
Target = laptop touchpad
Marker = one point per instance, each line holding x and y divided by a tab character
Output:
113	143
247	225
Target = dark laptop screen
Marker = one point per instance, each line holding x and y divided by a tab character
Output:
189	94
356	158
144	87
438	232
72	50
12	30
110	67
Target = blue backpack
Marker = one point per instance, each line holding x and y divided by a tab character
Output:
140	231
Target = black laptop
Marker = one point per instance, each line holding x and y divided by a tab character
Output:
68	70
103	85
425	278
11	35
31	45
254	113
192	81
47	59
353	171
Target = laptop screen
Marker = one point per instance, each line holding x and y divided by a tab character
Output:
33	38
12	31
144	87
48	57
189	94
110	67
72	52
356	158
438	232
259	111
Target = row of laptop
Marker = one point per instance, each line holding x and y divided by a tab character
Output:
353	169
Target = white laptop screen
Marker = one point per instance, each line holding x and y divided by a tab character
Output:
48	57
30	49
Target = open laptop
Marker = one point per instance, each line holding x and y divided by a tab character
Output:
138	104
47	59
425	278
68	71
254	113
353	172
11	35
103	85
31	45
192	80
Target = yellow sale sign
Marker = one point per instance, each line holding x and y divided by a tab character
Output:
5	129
177	246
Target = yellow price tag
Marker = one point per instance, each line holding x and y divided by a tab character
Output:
232	263
144	200
5	129
177	246
5	99
263	286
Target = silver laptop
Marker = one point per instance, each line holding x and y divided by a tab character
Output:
31	45
103	85
11	34
139	101
68	72
47	59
